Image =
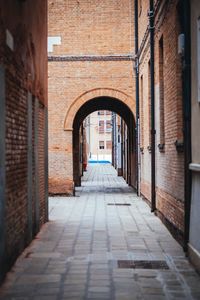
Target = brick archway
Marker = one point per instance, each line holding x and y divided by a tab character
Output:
123	110
95	93
61	174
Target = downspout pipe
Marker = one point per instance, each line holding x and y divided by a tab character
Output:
153	132
122	148
113	140
187	118
137	101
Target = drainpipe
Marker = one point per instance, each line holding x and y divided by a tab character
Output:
122	148
113	141
187	118
137	101
153	132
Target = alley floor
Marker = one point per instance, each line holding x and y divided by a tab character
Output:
104	243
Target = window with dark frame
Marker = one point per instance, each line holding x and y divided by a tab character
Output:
108	125
108	112
101	145
101	126
100	113
108	145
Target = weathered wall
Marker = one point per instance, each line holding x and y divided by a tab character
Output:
195	16
23	31
94	58
194	242
92	28
169	162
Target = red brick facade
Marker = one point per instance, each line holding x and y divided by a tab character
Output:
23	65
93	62
91	67
168	88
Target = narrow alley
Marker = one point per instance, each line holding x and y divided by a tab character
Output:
104	243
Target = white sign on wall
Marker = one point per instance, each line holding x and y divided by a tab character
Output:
53	40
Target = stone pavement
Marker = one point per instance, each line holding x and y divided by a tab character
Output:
95	247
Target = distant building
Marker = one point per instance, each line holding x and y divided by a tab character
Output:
99	136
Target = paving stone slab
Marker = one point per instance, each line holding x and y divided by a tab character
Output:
75	255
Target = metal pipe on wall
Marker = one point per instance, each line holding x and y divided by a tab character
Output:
153	132
137	101
186	83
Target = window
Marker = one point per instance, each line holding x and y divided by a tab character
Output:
108	144
108	126
118	140
101	126
100	112
198	58
108	112
161	90
101	145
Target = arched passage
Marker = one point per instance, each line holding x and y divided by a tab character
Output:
93	94
117	106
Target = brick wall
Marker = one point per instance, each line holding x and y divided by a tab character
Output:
16	163
100	30
23	57
41	162
78	65
92	27
169	162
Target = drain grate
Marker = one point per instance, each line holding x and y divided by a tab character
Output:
119	204
143	264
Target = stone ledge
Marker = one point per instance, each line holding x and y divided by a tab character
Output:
194	167
194	257
117	57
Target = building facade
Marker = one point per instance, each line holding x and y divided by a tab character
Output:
23	126
99	132
128	57
194	243
144	77
87	61
167	109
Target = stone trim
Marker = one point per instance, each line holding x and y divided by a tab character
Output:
68	129
194	257
194	167
120	57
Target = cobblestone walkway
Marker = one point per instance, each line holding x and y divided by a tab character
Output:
96	248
